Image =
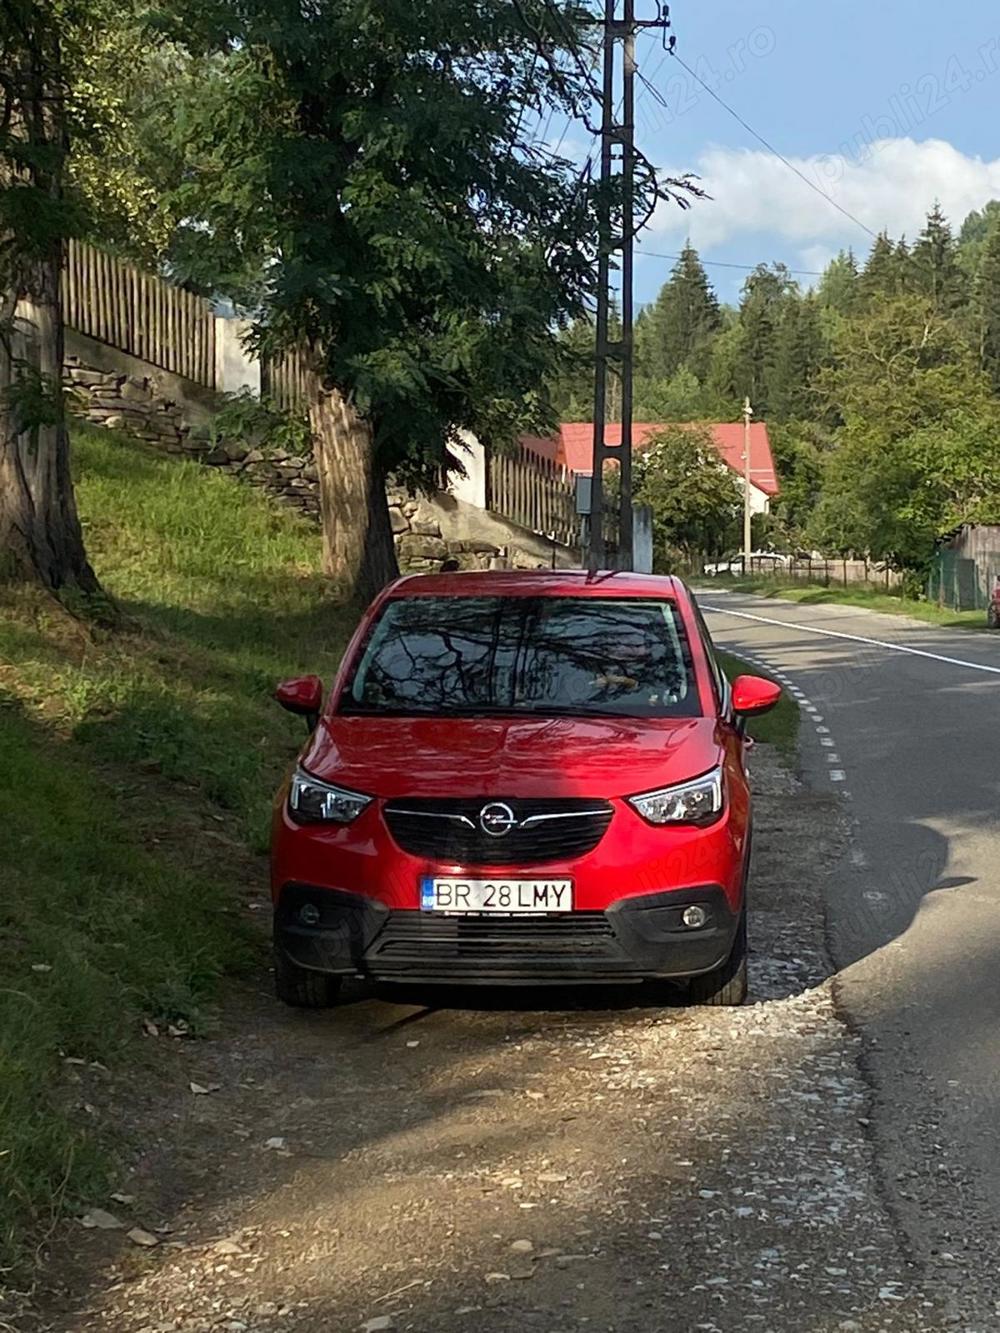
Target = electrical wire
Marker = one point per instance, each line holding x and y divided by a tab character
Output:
771	148
719	263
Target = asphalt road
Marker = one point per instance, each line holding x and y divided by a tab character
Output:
902	720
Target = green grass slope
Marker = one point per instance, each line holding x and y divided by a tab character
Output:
137	771
872	599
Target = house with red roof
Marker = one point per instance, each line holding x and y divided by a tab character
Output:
573	449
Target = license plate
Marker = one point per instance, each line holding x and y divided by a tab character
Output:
509	897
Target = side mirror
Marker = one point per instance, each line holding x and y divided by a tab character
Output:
304	696
753	696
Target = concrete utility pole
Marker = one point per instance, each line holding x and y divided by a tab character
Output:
747	514
620	135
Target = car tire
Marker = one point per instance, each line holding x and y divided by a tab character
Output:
302	988
726	987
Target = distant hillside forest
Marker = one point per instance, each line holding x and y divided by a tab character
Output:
881	386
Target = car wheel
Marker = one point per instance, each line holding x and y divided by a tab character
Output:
302	988
727	986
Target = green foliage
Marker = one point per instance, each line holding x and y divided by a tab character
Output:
696	500
800	451
680	398
986	303
378	159
678	330
34	399
570	384
38	55
259	423
884	275
839	287
891	498
899	367
936	272
799	352
746	355
973	236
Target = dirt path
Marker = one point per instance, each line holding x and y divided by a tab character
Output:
440	1163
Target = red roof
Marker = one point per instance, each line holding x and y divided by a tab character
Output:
574	446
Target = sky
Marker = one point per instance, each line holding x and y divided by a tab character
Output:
885	107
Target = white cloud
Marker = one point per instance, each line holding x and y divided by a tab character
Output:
890	185
815	258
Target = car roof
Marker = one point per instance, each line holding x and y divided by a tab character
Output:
538	583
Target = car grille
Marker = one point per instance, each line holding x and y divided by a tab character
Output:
543	830
425	938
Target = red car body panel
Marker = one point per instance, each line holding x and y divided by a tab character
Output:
599	757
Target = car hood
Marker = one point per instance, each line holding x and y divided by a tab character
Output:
525	757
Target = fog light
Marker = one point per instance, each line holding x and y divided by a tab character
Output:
309	914
694	917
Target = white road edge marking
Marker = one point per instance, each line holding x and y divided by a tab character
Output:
856	638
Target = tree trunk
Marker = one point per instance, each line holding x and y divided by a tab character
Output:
40	536
358	549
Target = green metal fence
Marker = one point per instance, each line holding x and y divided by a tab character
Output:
963	584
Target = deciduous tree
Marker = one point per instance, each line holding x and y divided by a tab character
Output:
40	533
695	498
420	239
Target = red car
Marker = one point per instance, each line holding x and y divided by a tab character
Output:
519	778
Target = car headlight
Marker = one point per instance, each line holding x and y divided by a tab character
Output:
698	802
313	802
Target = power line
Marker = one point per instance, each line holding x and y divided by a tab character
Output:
747	268
771	148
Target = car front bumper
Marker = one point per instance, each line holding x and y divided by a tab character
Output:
635	939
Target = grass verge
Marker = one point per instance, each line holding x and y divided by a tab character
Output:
138	770
870	598
780	727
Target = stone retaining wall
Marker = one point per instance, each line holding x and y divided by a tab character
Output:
427	530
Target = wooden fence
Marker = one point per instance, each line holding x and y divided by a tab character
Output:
536	493
139	313
287	379
829	573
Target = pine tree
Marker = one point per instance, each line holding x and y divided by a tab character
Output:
905	277
838	288
799	353
935	269
974	235
683	322
765	293
880	277
987	305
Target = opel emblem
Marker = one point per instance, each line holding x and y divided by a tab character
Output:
496	819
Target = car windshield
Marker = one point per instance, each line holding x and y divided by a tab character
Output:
548	655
